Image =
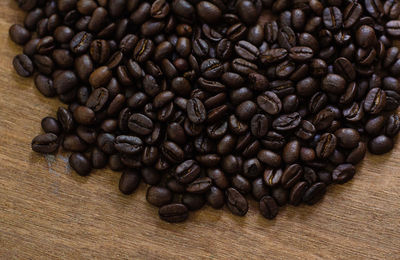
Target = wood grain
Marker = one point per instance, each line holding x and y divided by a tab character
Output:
47	211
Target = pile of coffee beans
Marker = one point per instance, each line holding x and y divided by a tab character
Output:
216	101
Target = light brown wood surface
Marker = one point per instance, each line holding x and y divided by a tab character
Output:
48	212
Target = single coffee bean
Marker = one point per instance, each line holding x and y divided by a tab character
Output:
215	197
343	173
268	207
199	186
193	201
23	65
297	192
196	111
326	145
236	203
19	34
158	196
80	164
140	124
128	144
375	101
380	145
173	213
347	138
291	175
45	143
314	193
129	181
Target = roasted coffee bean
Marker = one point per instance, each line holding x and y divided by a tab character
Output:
347	138
380	145
236	202
287	122
196	111
332	17
287	37
314	193
23	65
343	173
19	34
45	143
291	175
129	181
158	196
140	124
215	197
326	145
375	101
297	192
268	207
80	164
193	201
173	213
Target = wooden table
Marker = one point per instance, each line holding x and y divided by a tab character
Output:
47	211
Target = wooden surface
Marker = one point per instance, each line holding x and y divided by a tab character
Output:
47	211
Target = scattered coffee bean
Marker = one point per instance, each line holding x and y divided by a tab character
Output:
207	104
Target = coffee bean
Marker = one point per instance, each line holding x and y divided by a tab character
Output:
128	144
215	197
45	143
268	207
287	122
80	164
297	192
23	65
236	203
19	34
199	186
380	144
140	124
343	173
326	145
196	111
158	196
173	213
291	175
129	181
314	193
332	17
375	101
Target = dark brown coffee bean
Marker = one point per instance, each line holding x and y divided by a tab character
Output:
80	164
287	37
196	111
236	203
291	175
314	193
326	145
301	53
199	186
375	101
129	181
333	18
19	34
287	122
268	207
297	192
45	143
343	173
173	213
23	65
158	196
380	145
